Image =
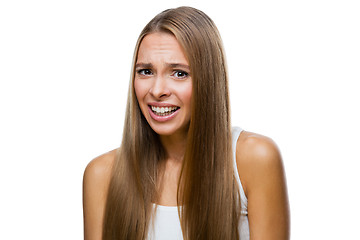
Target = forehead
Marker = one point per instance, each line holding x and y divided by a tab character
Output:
161	46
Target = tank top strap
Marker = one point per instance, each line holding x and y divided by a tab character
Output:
236	131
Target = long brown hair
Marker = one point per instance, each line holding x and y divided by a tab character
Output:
207	189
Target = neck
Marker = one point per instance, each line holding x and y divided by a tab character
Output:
174	146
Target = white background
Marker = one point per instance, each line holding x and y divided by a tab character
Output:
64	71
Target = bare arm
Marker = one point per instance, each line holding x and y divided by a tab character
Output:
95	185
263	178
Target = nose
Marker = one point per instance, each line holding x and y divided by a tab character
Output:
160	88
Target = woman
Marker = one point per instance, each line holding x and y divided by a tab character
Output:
177	173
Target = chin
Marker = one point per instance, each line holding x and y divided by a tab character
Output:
168	129
163	130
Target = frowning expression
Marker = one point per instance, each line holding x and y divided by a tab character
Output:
163	84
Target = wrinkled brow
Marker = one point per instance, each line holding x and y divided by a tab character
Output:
171	65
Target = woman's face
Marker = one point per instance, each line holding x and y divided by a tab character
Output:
163	84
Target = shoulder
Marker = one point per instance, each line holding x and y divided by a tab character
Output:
97	176
95	186
256	156
100	167
263	178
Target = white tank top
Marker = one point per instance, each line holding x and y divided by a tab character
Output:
166	223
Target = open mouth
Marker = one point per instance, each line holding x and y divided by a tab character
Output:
163	111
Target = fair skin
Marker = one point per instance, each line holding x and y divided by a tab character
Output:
163	78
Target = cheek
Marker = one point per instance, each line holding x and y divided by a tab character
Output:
139	90
184	94
187	94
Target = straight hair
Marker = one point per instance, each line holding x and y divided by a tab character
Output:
208	194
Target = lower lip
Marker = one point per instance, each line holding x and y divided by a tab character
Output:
162	118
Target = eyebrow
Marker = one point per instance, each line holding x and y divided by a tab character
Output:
172	65
143	65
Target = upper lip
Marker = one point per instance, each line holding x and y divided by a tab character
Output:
161	104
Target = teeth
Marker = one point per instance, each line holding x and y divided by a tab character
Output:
163	109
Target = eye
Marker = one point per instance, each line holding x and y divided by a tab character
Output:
180	74
144	72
